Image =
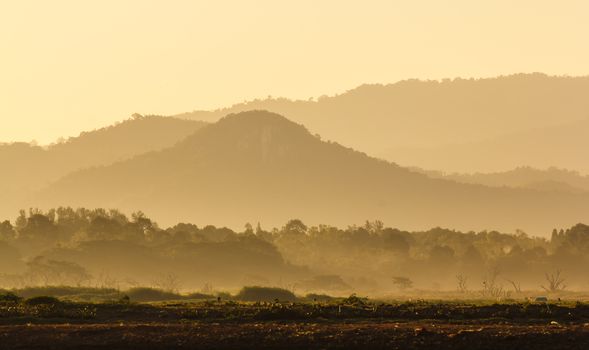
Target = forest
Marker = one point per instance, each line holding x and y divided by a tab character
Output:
109	249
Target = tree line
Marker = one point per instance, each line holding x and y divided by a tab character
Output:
65	245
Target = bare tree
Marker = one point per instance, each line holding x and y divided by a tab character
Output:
555	282
490	286
105	280
516	285
462	281
207	288
168	283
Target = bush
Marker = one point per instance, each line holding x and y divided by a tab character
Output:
124	299
322	298
63	291
9	298
265	294
355	300
199	296
42	300
224	296
150	294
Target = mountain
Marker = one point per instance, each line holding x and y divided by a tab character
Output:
551	179
412	122
561	146
28	167
258	166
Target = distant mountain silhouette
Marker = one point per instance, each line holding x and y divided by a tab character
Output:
551	179
259	166
563	146
411	122
27	167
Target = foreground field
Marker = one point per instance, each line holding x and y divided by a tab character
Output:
48	323
295	335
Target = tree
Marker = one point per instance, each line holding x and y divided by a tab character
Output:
555	282
168	283
462	280
375	226
21	220
402	283
141	227
295	226
39	228
265	235
102	228
249	229
47	272
516	285
490	286
7	232
395	241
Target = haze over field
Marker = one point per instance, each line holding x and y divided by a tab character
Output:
294	174
386	147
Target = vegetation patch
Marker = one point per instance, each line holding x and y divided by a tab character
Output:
42	300
10	298
267	294
64	291
151	294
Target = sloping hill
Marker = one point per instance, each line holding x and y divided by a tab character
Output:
563	146
408	122
26	167
123	140
258	166
551	179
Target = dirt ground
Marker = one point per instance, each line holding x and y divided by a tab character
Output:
295	335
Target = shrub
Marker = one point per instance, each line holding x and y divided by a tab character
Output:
9	298
199	296
355	300
322	298
42	300
63	291
265	294
150	294
224	296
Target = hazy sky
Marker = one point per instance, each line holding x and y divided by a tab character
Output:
67	66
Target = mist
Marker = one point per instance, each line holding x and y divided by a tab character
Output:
67	246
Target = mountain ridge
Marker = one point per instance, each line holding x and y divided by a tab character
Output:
524	177
29	167
271	170
394	121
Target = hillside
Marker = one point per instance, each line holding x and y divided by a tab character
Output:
560	146
28	167
411	122
258	166
551	179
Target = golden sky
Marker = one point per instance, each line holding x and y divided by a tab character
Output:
68	66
